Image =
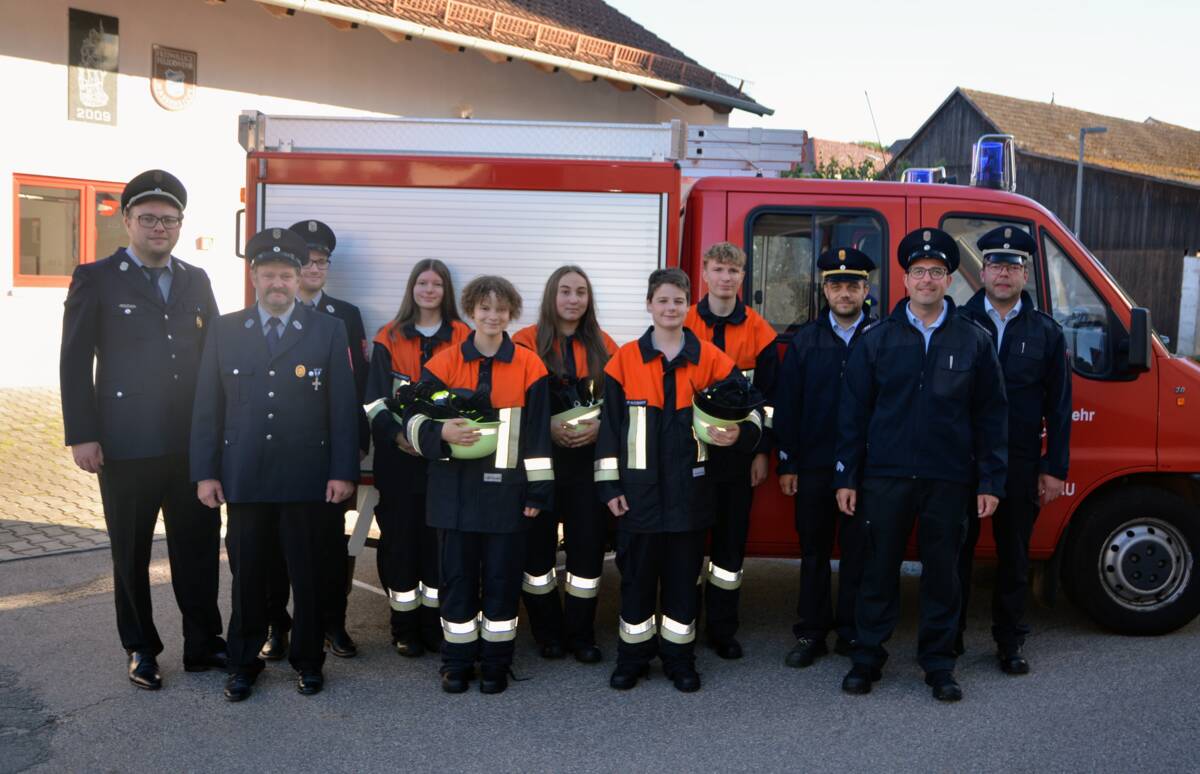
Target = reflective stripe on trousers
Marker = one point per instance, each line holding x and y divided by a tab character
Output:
583	588
429	595
468	631
635	633
540	584
498	631
679	633
724	579
403	601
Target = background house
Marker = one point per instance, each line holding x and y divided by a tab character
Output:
1141	182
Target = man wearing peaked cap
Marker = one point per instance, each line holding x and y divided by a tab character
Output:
922	421
320	242
1037	378
134	325
806	406
274	437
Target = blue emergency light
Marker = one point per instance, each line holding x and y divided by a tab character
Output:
924	175
993	163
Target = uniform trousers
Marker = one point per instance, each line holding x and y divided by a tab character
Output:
817	521
480	594
254	532
585	524
335	572
133	492
889	508
1012	527
407	560
722	588
659	569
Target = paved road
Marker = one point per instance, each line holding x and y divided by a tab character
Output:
1094	702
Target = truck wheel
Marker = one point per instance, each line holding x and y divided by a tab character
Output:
1130	561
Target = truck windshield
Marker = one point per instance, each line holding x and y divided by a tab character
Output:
966	230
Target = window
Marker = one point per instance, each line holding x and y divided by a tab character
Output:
61	223
784	284
1081	312
966	230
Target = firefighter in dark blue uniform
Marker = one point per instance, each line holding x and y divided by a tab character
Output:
1037	379
321	240
806	404
922	417
275	437
140	317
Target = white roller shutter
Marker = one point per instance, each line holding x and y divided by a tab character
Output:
523	235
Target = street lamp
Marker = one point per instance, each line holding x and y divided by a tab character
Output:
1084	131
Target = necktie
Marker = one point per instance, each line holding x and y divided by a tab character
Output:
154	274
273	326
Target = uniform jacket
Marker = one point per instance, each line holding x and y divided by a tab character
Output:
398	359
145	351
908	413
352	318
489	494
647	449
275	429
807	392
574	464
1037	380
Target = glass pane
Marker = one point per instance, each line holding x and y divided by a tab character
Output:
860	231
1081	313
49	238
966	231
110	229
782	265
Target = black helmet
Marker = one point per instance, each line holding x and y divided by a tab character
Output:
723	403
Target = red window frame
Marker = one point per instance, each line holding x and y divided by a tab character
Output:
87	224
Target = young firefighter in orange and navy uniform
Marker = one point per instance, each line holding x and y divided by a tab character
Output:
569	341
749	340
653	474
482	507
426	324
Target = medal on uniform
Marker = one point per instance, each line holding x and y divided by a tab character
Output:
316	382
199	322
300	370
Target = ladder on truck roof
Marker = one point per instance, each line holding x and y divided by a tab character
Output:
700	150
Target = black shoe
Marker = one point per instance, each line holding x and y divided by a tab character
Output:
686	679
858	680
276	646
409	647
729	649
626	676
843	646
310	682
553	650
588	654
457	680
143	671
340	644
805	652
960	647
216	660
943	685
238	686
493	681
1012	662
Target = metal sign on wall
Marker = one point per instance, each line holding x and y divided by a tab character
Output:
173	77
92	56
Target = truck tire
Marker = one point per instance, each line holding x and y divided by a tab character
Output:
1130	561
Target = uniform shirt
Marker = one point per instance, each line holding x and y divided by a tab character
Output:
489	494
164	279
926	331
1000	322
907	411
845	334
284	318
647	449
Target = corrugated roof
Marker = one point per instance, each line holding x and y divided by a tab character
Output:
1152	148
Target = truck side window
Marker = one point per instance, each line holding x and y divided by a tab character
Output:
783	282
966	230
1081	312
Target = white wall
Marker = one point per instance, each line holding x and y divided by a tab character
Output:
247	60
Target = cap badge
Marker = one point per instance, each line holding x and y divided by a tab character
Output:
275	248
312	226
276	232
926	235
843	266
300	371
1006	245
1007	234
842	256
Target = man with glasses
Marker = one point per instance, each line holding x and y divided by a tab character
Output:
139	318
1037	379
922	417
311	294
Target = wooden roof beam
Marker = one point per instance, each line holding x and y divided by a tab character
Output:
582	76
494	57
620	85
341	25
276	11
543	67
392	35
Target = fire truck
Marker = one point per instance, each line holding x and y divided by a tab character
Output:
520	198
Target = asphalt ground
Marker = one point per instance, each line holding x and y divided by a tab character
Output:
1094	702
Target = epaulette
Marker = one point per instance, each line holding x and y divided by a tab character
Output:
1049	317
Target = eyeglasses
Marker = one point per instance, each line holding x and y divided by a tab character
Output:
933	272
1006	268
169	222
318	265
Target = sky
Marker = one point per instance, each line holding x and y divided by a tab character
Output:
813	61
